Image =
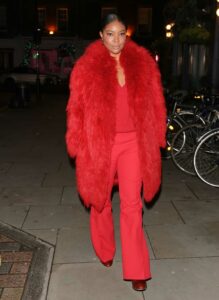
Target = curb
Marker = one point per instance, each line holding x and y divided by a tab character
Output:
37	281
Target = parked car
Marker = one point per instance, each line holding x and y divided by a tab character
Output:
28	76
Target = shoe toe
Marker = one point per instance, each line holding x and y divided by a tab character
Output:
139	285
107	263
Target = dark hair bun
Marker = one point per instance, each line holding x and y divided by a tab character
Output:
109	18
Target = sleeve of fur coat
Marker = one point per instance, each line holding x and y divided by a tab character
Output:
74	112
159	107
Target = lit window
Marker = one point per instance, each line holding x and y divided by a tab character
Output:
144	20
3	19
62	19
41	11
108	10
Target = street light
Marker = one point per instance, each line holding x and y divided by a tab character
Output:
169	32
215	58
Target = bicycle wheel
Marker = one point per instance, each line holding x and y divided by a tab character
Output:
173	126
190	117
206	158
183	147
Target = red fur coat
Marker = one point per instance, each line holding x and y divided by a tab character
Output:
91	117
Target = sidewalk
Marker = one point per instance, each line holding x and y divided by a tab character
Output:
38	196
5	99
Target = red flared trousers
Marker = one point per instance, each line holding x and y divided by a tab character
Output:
135	256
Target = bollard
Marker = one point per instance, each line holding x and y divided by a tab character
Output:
22	96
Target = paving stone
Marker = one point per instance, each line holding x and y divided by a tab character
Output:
64	177
178	191
115	197
74	245
48	235
212	228
7	281
5	268
4	167
21	268
89	281
14	153
61	178
70	196
45	149
14	216
203	191
161	213
199	211
39	165
184	279
12	294
182	240
170	173
30	196
48	217
12	179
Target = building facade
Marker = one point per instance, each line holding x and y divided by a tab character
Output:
50	23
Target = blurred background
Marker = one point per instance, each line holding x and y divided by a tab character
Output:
40	40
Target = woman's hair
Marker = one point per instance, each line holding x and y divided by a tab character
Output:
109	18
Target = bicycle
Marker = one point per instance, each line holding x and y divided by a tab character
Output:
206	158
180	116
186	140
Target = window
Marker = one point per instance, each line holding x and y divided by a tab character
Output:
3	19
144	20
62	19
108	10
6	59
41	17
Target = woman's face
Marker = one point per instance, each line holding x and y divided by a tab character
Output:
114	37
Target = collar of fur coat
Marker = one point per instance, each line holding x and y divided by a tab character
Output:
138	64
97	53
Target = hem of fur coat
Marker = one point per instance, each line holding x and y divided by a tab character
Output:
149	197
98	206
150	194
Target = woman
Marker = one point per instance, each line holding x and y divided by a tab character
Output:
116	126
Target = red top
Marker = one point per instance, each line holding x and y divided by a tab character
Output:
124	122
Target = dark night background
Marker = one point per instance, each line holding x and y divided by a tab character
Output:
188	57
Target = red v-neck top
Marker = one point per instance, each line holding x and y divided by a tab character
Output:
124	121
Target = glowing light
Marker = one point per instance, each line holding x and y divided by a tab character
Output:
130	31
157	57
171	127
169	148
217	12
51	29
169	34
169	26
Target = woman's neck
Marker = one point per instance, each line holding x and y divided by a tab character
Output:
116	57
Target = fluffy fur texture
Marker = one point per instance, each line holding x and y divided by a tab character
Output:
91	118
